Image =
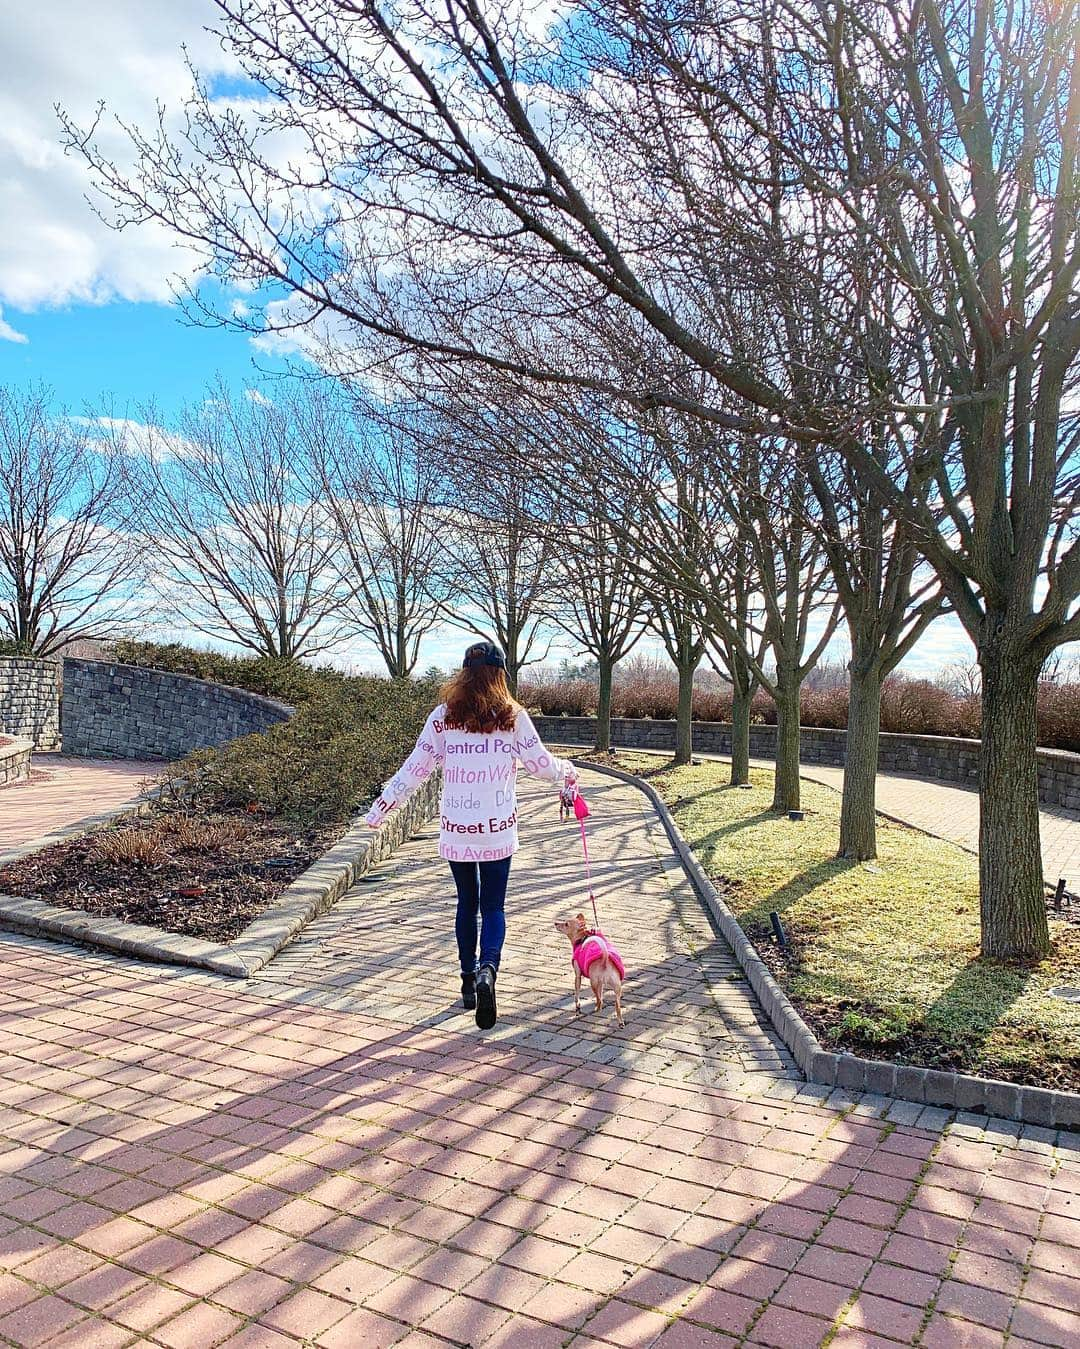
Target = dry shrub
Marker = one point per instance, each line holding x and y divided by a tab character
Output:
826	707
643	689
1059	716
556	697
921	707
712	704
193	833
129	847
908	706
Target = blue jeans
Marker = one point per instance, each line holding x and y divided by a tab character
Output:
481	888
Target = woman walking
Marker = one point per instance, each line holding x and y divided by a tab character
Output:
479	735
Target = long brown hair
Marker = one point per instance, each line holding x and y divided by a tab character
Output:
478	699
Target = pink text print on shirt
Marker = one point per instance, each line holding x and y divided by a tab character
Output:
465	777
493	826
469	854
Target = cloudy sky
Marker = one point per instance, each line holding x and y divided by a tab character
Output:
88	311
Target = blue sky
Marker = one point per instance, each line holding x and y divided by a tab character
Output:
124	352
88	311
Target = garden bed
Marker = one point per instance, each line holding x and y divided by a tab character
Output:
884	957
203	875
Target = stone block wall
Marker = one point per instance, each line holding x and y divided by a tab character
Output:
30	700
14	761
130	712
939	758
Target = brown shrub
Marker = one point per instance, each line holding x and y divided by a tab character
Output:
1059	716
824	707
193	833
129	847
908	706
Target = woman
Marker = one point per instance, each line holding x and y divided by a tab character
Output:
479	734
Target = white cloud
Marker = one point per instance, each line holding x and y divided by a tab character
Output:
134	437
127	53
8	333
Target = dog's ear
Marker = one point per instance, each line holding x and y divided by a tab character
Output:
581	919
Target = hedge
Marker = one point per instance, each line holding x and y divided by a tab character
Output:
348	735
911	706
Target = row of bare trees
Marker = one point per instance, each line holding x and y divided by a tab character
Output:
840	242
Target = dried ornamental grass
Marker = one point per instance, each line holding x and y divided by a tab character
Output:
128	847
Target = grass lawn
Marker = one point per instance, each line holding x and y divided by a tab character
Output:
884	959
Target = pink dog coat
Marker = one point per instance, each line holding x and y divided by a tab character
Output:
595	947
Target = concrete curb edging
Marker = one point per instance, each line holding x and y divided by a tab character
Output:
924	1086
302	900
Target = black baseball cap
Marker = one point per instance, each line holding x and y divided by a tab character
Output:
484	653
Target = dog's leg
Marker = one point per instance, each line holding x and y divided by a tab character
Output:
577	990
618	1004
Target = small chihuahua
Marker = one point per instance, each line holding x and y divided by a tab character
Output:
566	802
593	956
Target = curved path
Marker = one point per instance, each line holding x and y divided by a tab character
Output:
332	1155
951	811
61	791
947	810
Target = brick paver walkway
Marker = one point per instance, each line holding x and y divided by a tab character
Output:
950	811
61	791
333	1155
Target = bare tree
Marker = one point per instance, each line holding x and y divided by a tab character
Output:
963	678
385	489
501	544
241	538
602	602
943	140
69	561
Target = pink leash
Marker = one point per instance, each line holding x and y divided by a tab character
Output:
581	811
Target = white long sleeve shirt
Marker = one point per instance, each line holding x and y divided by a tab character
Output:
478	813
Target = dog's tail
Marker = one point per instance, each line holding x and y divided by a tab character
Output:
607	974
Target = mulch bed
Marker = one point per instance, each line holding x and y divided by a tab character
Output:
227	885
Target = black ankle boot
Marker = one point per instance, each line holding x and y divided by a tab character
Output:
468	991
486	1012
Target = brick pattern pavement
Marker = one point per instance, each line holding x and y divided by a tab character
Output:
335	1157
693	1016
62	790
952	812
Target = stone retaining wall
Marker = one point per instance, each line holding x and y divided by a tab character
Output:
15	761
941	758
30	700
131	712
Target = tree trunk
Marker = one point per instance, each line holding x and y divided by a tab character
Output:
603	704
513	666
684	717
786	780
858	822
1012	902
741	699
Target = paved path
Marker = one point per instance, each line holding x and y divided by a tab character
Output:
333	1155
61	791
950	811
